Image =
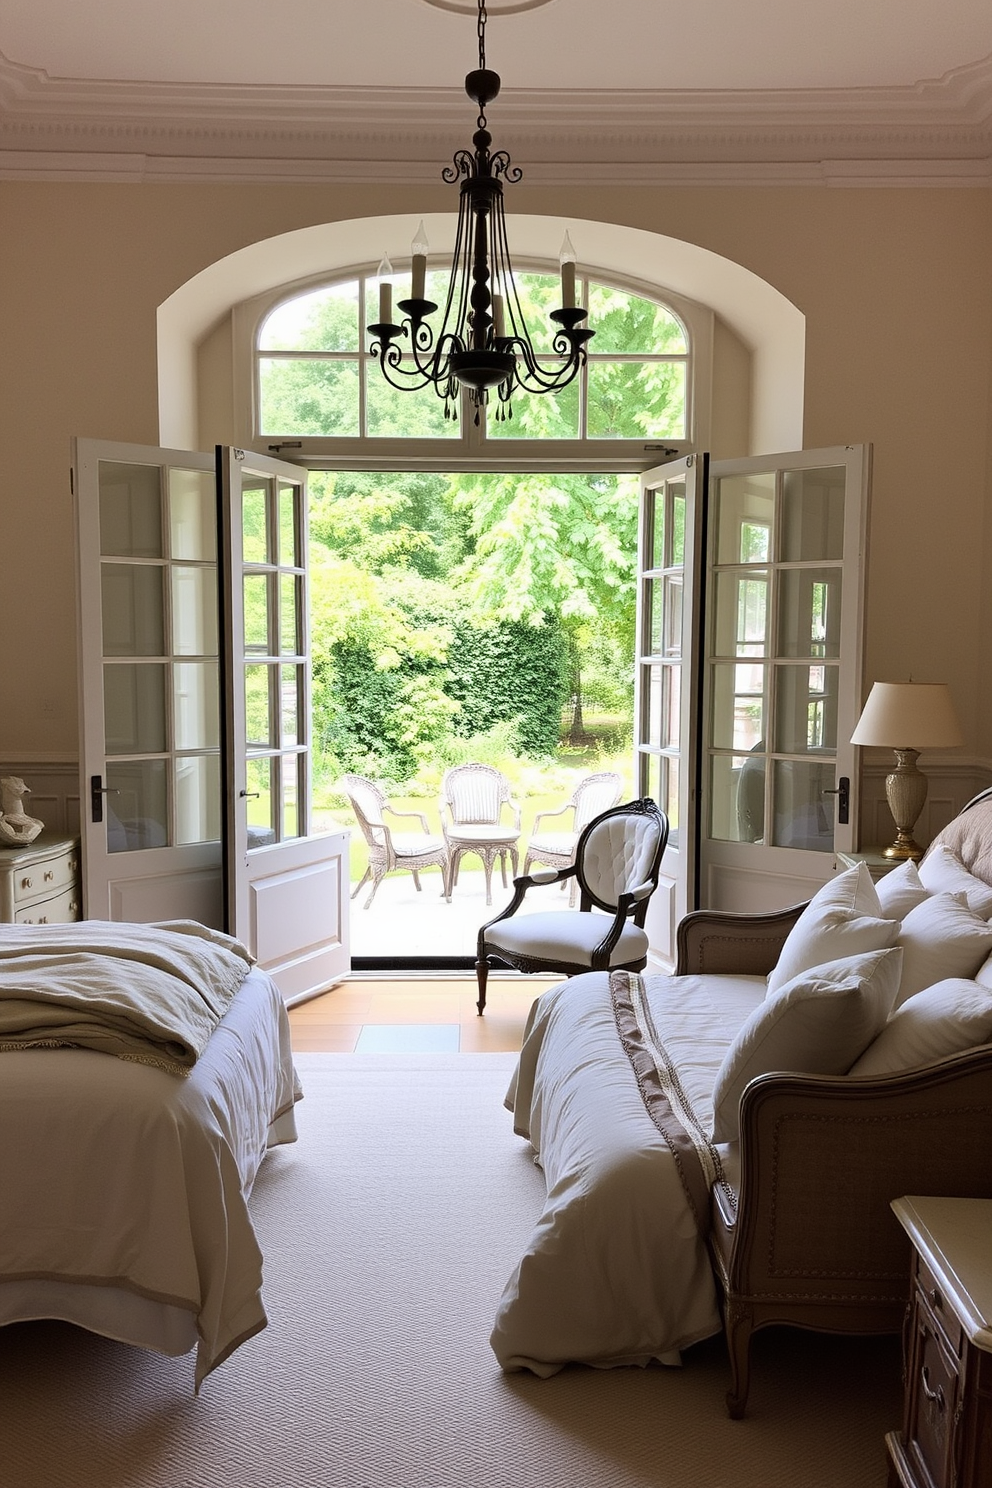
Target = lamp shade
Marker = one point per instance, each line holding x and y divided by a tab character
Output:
909	715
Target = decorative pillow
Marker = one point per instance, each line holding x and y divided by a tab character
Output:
984	973
817	1024
947	1018
901	890
941	938
942	872
843	918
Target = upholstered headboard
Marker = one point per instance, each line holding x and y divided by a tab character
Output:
969	836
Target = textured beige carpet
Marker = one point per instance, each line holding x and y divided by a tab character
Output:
389	1230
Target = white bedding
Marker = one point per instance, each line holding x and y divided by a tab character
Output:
616	1272
125	1187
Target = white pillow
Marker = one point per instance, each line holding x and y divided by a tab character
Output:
942	872
984	972
901	890
941	938
816	1024
947	1018
843	918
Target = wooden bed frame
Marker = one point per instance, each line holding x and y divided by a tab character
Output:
807	1237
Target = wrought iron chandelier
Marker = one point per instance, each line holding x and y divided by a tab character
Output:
483	343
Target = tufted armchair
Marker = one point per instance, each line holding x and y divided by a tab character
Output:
617	859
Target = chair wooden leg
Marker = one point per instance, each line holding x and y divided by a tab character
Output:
416	879
376	881
482	977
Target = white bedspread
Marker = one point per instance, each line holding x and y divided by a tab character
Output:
616	1271
119	1176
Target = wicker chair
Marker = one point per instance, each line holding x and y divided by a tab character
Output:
592	794
472	802
389	850
617	860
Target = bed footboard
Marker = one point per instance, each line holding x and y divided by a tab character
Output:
811	1240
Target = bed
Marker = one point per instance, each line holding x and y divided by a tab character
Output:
699	1178
132	1140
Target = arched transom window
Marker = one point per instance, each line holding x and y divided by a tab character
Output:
315	381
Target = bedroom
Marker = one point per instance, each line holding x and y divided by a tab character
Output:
887	260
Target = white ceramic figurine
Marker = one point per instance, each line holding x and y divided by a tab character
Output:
16	827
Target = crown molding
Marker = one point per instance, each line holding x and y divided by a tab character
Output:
934	132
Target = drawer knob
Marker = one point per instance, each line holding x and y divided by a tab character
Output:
49	875
935	1299
26	883
935	1397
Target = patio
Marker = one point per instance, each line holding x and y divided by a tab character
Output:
402	922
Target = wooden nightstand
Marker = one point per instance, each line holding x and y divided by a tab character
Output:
39	884
878	866
946	1439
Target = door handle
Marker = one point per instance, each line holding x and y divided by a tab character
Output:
843	794
249	795
97	792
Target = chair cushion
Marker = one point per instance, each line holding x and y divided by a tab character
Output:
416	844
947	1018
816	1024
842	919
568	936
480	832
562	844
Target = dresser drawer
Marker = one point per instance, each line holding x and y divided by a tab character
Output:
43	880
61	910
933	1305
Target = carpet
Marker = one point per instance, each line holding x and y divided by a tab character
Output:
389	1231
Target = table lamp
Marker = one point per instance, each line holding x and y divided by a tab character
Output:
895	714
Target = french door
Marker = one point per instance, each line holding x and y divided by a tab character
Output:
751	581
194	705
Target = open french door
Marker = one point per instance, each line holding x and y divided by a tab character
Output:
175	559
666	713
751	578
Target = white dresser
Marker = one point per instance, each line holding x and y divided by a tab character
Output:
39	884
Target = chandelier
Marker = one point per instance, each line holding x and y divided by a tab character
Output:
482	343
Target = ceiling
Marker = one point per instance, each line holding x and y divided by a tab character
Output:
659	90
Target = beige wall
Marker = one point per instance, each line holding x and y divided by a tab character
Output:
896	288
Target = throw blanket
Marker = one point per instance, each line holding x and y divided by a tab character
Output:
152	994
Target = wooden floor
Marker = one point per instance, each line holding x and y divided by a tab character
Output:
398	1015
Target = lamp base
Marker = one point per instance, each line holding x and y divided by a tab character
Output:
906	793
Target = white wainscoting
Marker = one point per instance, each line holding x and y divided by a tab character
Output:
952	783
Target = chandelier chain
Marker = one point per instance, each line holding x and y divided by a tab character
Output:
482	35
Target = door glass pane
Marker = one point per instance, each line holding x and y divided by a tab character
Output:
196	707
256	587
738	705
652	732
671	735
259	730
198	798
812	514
291	681
802	816
137	805
737	797
740	613
654	617
133	608
290	611
289	550
290	797
656	506
806	709
673	616
809	612
254	525
650	777
130	510
193	514
677	558
670	805
134	708
745	509
260	802
194	611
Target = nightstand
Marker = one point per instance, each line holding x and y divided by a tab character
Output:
878	864
946	1439
39	883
